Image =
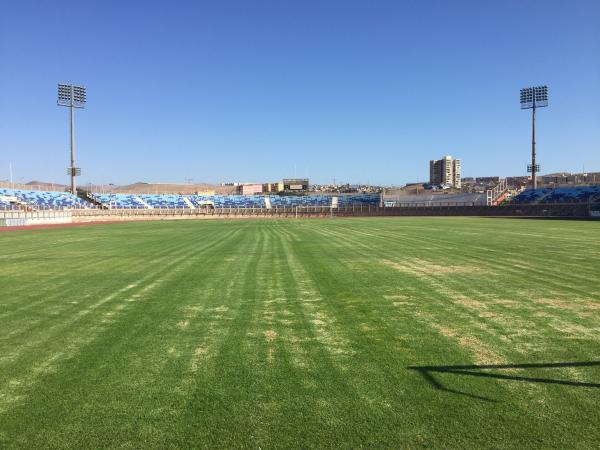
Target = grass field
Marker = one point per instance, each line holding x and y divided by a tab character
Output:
397	333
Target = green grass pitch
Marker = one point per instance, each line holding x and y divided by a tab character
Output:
345	333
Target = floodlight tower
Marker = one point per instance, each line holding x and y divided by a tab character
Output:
532	98
73	97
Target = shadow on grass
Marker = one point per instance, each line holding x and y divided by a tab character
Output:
428	372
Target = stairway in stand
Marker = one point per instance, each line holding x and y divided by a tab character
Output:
188	202
146	205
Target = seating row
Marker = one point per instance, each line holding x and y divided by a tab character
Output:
230	201
577	194
66	200
45	199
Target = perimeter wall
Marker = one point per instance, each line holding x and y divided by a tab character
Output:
554	210
17	218
20	218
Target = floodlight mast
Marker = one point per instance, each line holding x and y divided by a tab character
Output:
72	166
73	97
533	155
532	98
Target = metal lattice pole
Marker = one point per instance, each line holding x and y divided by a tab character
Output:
72	96
73	185
533	166
533	98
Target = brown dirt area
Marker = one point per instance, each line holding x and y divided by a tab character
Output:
421	267
270	335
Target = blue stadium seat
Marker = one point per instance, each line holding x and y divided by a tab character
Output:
167	201
119	201
359	199
576	194
47	199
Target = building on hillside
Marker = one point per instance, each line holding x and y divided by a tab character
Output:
249	189
487	180
295	184
273	187
445	171
565	178
518	182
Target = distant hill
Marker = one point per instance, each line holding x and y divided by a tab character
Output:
47	185
169	188
557	174
35	185
418	189
135	188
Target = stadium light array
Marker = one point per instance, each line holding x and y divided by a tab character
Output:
72	96
532	98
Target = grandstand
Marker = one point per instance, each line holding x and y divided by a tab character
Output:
580	201
436	200
46	199
16	198
165	201
42	199
123	201
578	194
57	200
230	201
126	201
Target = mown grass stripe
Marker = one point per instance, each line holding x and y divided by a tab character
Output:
308	333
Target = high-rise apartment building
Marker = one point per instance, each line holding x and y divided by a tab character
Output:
445	171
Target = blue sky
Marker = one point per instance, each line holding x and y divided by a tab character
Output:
359	91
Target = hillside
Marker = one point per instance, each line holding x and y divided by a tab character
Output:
135	188
170	188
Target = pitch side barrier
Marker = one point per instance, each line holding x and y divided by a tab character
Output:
579	210
18	218
573	210
187	213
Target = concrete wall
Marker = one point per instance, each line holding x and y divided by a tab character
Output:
568	210
22	218
564	210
